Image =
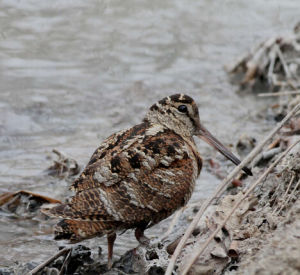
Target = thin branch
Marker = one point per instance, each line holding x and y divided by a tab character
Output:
173	223
196	253
51	259
284	65
279	93
285	194
290	196
275	195
176	217
66	261
223	185
270	74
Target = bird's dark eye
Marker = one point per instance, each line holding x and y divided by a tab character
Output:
182	109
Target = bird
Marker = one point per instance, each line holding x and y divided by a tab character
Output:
138	176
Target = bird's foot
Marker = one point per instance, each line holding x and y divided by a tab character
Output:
109	264
142	239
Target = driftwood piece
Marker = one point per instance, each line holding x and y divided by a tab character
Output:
6	197
272	65
64	166
24	202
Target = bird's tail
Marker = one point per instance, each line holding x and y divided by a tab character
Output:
76	229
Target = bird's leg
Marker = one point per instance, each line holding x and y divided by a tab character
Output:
110	243
139	234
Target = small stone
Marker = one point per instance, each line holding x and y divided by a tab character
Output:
151	255
219	252
156	270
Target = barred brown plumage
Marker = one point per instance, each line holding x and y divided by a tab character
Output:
138	176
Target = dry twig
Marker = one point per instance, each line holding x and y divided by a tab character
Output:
283	62
65	263
173	223
175	219
279	93
285	194
51	259
290	196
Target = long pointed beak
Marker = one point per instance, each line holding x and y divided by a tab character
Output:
211	140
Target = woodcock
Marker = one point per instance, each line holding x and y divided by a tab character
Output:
138	176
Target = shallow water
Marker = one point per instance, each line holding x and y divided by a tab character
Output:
72	73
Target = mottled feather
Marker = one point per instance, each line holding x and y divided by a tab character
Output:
142	183
137	177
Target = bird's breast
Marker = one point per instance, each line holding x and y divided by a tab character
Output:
195	164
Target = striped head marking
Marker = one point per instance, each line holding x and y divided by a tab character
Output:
177	112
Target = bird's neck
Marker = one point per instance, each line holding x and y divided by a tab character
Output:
170	124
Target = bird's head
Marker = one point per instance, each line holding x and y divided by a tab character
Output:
177	112
180	113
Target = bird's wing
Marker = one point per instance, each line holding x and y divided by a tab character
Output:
104	167
149	175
